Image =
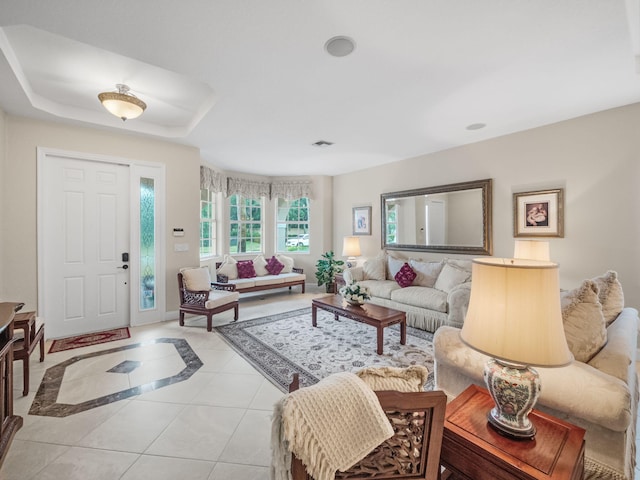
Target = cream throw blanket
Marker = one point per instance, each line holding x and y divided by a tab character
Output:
330	426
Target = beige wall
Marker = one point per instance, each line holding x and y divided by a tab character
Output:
18	177
596	158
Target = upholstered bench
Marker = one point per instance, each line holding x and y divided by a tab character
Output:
259	274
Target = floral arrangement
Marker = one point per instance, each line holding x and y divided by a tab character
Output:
355	293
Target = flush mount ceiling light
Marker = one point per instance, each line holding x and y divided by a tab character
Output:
339	46
122	104
476	126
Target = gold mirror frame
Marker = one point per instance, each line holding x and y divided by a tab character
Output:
486	248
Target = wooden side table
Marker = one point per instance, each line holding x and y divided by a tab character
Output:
473	450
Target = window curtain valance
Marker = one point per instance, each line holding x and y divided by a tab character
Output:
216	182
291	190
248	188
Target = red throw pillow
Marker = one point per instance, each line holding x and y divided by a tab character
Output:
405	275
245	269
274	266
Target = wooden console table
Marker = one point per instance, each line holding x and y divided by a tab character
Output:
473	450
9	423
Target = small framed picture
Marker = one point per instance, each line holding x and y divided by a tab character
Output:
538	214
362	220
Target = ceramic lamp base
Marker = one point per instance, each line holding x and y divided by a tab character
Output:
515	390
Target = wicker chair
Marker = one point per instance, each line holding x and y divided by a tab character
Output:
414	450
207	302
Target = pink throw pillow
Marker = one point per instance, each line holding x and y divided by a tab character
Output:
274	266
405	275
245	269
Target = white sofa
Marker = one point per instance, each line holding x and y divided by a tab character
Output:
228	272
600	395
439	295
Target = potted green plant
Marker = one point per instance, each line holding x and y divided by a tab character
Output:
326	269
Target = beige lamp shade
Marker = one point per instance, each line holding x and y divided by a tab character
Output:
514	312
532	250
351	247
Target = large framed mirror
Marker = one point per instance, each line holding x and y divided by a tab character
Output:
452	218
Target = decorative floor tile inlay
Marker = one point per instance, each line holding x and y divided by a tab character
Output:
46	399
127	366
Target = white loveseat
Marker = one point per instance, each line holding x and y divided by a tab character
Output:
439	294
599	395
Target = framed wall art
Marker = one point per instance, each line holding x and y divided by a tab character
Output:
362	221
538	214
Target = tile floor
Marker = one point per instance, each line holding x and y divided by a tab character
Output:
215	425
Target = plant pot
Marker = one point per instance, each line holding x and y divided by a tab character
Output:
355	303
331	287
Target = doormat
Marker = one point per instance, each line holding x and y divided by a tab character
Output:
89	339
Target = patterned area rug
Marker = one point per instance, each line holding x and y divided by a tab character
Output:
280	345
89	339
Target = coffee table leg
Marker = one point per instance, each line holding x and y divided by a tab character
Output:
314	313
380	340
403	332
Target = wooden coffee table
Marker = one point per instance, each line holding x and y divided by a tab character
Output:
374	315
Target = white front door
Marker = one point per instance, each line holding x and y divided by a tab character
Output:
84	208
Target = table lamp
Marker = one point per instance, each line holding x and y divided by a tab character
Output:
531	249
351	249
514	316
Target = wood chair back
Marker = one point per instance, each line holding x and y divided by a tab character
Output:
195	302
413	452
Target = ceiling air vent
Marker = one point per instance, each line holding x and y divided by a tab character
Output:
322	143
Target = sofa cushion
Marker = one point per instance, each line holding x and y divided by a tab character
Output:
242	283
618	356
610	295
409	379
466	265
274	266
196	279
426	272
245	269
584	324
287	262
353	274
228	268
374	268
268	280
260	266
422	297
217	298
393	266
405	276
380	288
450	277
